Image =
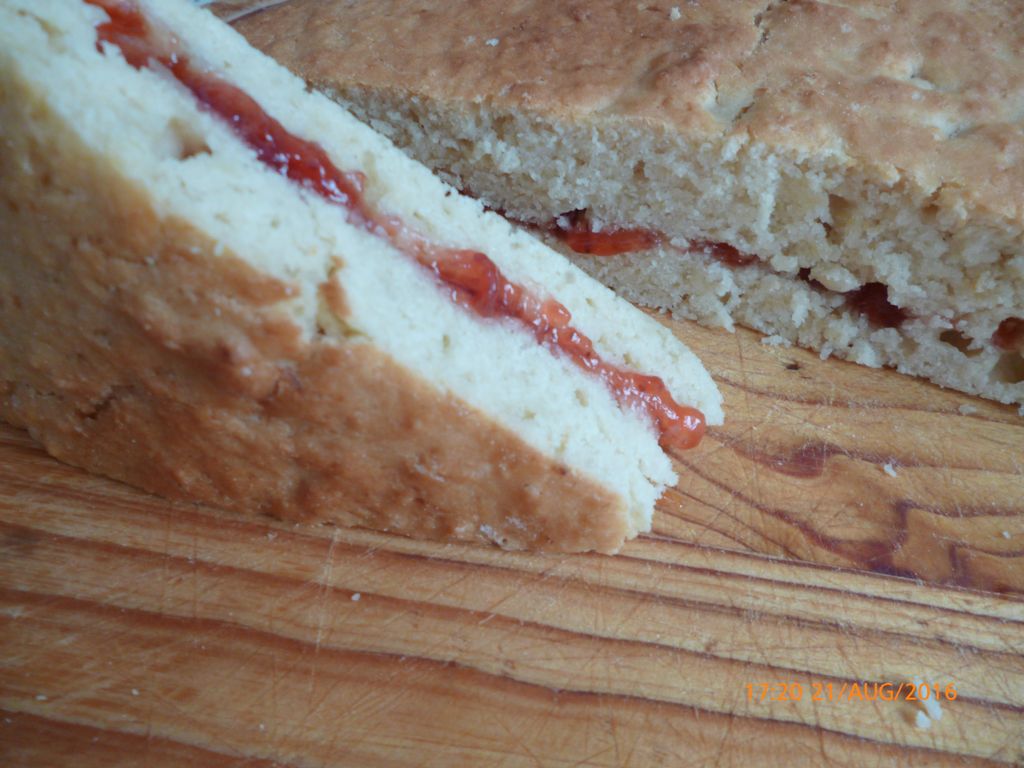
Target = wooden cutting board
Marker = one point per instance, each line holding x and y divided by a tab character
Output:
846	529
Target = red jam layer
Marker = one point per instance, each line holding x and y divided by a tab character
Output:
576	231
723	253
1009	336
474	279
870	300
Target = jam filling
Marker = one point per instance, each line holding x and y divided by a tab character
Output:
1009	336
473	279
576	230
723	253
870	300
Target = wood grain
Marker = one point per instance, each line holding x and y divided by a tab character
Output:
799	469
136	631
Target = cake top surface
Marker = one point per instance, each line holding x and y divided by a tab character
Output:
928	93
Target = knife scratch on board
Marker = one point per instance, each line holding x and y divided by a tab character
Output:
325	588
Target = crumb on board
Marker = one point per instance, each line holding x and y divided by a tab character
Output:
675	14
776	341
356	597
493	42
889	469
967	409
929	710
932	708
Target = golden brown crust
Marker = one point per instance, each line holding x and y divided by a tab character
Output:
129	348
926	92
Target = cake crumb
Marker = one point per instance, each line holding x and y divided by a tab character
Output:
776	341
492	534
932	709
967	409
675	14
889	469
929	710
356	597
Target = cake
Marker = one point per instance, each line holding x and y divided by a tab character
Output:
220	287
847	177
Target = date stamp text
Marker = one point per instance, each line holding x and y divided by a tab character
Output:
851	691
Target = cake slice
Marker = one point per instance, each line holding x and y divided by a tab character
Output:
848	177
218	286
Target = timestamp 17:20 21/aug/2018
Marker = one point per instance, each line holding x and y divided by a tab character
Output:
850	691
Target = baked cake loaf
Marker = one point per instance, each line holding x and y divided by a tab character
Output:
846	176
218	286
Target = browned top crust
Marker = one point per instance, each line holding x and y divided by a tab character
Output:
922	92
